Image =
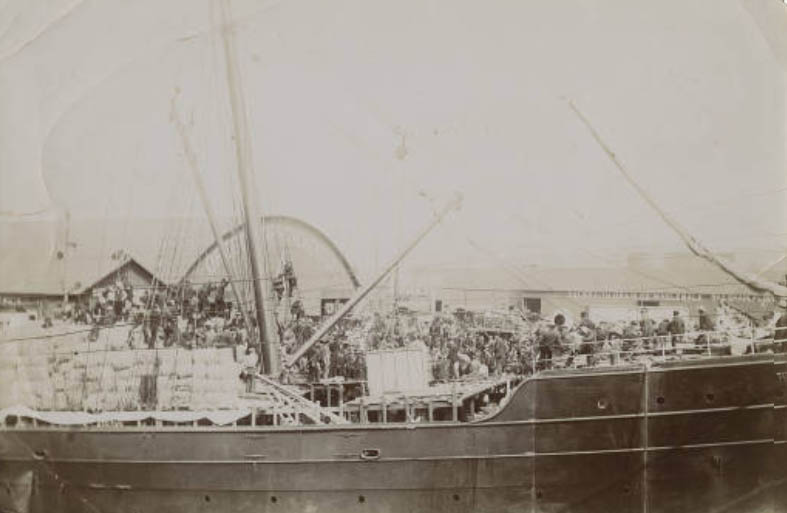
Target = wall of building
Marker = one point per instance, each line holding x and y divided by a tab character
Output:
606	304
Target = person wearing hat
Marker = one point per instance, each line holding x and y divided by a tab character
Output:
462	365
677	327
780	334
705	325
501	353
549	342
250	362
585	320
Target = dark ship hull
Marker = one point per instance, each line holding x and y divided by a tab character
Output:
699	436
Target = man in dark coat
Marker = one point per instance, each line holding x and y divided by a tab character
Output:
780	334
585	320
677	327
549	342
706	323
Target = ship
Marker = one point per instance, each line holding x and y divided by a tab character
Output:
700	433
704	434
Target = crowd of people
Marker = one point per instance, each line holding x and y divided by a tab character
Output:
183	315
459	346
337	354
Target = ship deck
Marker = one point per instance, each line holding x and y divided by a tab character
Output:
441	396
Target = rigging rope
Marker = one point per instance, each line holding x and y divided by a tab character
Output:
749	279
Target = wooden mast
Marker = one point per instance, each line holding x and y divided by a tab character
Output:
269	360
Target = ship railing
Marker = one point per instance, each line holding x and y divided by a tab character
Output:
621	351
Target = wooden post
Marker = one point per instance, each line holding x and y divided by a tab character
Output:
407	417
430	406
341	400
384	406
311	392
253	417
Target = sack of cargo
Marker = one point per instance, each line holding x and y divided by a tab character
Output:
145	368
135	339
93	402
201	370
44	398
38	360
7	376
166	361
184	357
145	356
79	361
7	363
128	402
60	401
93	387
8	351
9	396
73	402
96	359
119	360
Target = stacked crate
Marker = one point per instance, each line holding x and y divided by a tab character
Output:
9	358
181	381
216	379
75	373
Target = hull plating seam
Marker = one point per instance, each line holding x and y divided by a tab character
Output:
383	460
699	366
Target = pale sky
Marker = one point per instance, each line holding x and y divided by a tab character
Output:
357	106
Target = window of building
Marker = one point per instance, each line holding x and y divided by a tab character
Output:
532	304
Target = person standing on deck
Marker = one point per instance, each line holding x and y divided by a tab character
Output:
585	320
501	351
677	327
154	321
325	359
647	327
705	326
780	334
251	362
549	342
706	323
